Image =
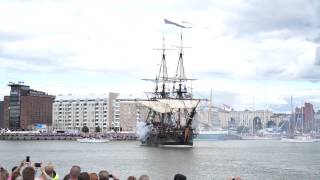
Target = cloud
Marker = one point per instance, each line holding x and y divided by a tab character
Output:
317	58
292	17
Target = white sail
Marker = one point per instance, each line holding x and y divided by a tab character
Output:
169	105
178	103
156	106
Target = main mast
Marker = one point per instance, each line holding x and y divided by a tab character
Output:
163	72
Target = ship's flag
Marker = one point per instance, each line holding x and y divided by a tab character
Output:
226	107
173	23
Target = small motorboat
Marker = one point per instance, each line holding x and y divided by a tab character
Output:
92	140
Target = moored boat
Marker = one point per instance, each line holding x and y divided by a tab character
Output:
92	140
299	139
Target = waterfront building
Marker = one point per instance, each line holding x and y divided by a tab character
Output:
254	120
308	113
305	118
1	115
317	121
114	111
25	107
74	112
130	113
281	120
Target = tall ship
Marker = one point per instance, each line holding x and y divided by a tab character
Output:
171	107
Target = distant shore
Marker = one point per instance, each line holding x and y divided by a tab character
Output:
70	137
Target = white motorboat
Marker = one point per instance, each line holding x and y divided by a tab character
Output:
92	140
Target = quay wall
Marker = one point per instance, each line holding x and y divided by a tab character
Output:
30	137
27	137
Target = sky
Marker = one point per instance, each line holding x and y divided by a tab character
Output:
253	54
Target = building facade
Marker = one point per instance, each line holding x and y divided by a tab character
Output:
1	115
308	115
130	114
281	120
317	121
25	107
304	119
251	119
73	113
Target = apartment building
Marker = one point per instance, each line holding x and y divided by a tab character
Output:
74	112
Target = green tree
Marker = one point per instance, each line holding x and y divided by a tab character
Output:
85	129
98	129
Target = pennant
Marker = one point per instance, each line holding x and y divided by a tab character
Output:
173	23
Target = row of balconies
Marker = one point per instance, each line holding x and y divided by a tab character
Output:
81	104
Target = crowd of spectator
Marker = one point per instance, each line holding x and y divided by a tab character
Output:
28	171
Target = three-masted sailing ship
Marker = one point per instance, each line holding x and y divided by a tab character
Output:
171	107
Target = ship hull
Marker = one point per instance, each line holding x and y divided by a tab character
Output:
174	139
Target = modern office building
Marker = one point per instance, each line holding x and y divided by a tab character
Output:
25	107
74	112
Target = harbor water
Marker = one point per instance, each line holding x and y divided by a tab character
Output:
206	160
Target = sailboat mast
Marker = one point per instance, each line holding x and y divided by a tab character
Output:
210	110
291	119
302	119
254	114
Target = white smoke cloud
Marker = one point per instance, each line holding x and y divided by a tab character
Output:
143	130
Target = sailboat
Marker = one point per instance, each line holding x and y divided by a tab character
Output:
212	130
292	136
171	111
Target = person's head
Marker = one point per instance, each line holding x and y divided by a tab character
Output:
28	173
93	176
103	175
14	168
75	172
49	170
132	178
84	176
66	177
234	178
4	174
14	175
144	177
179	177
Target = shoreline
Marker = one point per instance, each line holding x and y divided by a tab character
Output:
64	137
